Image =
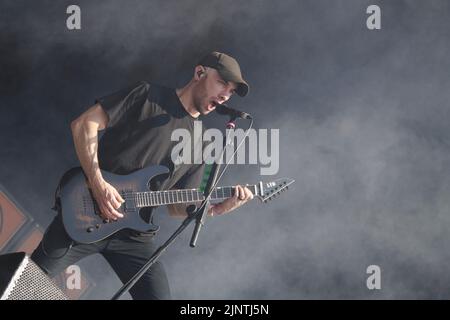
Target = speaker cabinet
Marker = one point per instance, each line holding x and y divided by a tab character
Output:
22	279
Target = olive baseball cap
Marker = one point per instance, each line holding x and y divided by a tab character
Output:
228	68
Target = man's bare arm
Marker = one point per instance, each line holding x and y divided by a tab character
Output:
179	210
241	196
85	136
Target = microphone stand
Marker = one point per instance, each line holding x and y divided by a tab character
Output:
199	215
202	212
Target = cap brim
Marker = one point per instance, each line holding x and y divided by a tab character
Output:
242	89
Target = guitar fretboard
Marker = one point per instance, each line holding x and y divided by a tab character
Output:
159	198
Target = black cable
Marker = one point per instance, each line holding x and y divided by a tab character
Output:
47	254
57	208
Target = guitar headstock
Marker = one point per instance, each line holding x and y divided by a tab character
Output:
268	190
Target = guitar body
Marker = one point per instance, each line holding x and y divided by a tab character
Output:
81	216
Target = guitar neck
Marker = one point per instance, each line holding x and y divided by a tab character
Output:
159	198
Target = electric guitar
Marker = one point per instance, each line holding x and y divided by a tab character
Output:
81	215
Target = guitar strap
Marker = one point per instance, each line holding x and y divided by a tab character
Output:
205	178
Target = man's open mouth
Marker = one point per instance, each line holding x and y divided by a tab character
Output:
212	105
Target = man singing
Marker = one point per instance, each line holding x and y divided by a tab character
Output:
137	123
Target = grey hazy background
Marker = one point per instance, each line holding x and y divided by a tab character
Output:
364	129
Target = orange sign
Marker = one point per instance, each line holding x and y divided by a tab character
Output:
31	242
11	219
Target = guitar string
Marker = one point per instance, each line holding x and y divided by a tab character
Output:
137	196
142	202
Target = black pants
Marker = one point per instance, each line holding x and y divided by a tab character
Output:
125	254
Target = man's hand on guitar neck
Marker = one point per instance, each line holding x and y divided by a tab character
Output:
241	196
107	198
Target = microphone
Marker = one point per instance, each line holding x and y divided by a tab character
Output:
223	109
